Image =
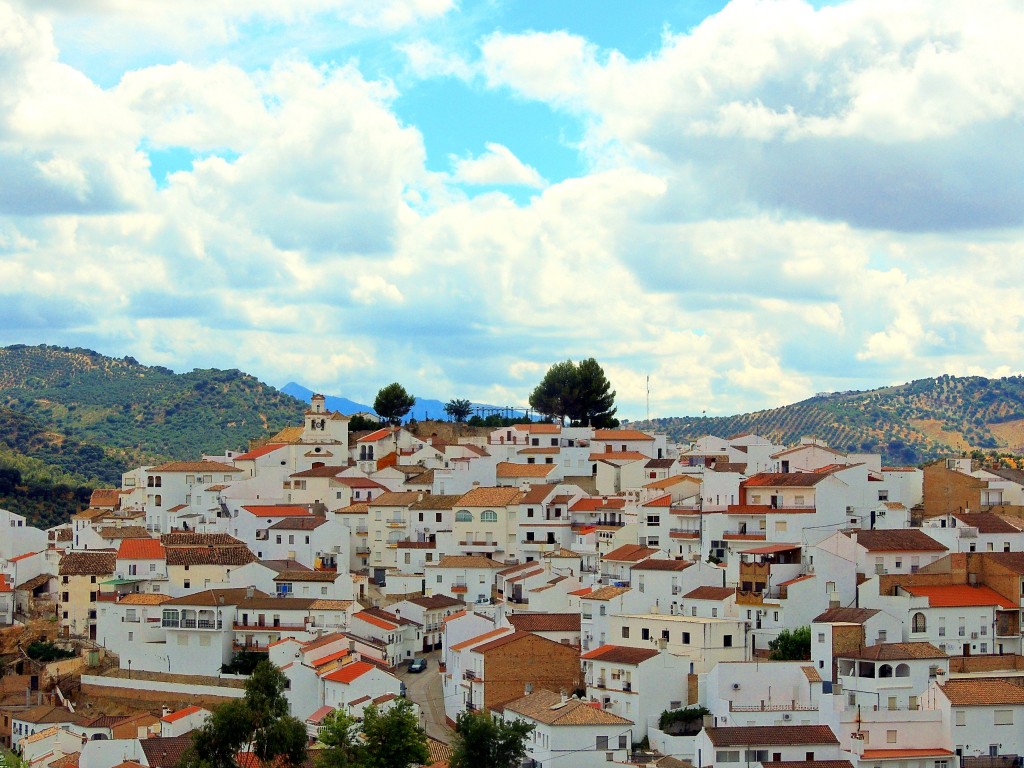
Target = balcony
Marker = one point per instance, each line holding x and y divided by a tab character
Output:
600	683
362	550
681	534
627	686
459	589
197	624
470	674
396	524
362	531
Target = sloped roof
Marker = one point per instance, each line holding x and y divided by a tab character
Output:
898	540
547	707
468	561
956	595
709	593
349	672
276	510
490	497
845	616
263	450
895	652
771	735
981	692
631	553
209	555
545	622
620	434
92	563
663	565
140	549
986	522
194	466
785	479
620	654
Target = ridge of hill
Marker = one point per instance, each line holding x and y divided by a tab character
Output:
120	413
908	423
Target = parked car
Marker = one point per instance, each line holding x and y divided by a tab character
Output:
417	665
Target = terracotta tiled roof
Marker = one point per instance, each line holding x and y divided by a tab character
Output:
538	428
547	707
808	763
605	593
709	593
895	652
143	598
845	616
140	549
124	532
194	466
662	565
218	597
511	469
171	717
618	456
598	504
165	752
811	674
307	575
276	510
631	553
986	522
310	523
263	450
620	654
396	499
68	761
321	471
191	539
1014	561
358	508
349	672
957	595
611	435
105	497
92	563
436	602
375	436
483	638
358	482
436	502
785	479
545	622
209	556
771	735
966	692
898	540
490	497
538	494
468	561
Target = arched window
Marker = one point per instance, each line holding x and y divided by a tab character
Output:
158	500
463	516
159	481
885	671
902	670
918	623
489	516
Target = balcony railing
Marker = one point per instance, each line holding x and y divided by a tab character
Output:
469	674
459	589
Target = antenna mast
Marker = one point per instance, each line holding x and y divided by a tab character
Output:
648	398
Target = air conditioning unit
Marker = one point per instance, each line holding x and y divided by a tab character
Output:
787	716
849	510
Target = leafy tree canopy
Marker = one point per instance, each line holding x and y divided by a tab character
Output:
394	738
459	410
791	645
393	402
483	741
578	391
343	746
258	723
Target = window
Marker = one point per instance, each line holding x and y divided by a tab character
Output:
961	717
463	516
1004	717
727	756
625	632
645	634
489	516
622	741
602	742
686	638
727	641
918	623
890	737
756	755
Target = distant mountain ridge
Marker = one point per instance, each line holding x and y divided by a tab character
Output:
908	423
424	410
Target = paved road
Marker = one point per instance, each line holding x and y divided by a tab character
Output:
425	689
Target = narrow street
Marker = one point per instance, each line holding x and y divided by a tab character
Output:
425	689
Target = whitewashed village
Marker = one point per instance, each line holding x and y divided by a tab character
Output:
622	594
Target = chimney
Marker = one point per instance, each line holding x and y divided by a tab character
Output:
165	711
249	592
562	694
529	688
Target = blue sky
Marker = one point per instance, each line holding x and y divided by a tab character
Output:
748	202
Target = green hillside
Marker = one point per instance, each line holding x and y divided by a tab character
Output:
118	413
907	424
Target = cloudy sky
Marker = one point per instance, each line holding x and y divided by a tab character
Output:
748	202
